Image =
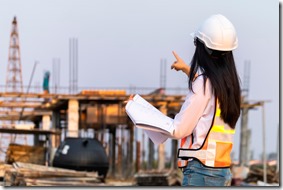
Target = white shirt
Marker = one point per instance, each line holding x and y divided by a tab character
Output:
196	114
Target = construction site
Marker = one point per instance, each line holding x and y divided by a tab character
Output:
55	136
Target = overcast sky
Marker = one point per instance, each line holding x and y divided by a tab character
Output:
121	43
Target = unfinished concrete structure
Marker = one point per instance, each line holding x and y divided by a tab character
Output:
92	113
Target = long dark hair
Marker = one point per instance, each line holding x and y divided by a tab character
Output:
219	67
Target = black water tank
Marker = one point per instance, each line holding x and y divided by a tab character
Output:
82	154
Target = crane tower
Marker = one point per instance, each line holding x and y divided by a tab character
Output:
14	82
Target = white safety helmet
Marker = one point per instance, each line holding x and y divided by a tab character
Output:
217	33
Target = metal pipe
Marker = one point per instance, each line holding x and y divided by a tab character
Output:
263	144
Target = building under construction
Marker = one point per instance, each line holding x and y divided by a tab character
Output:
34	125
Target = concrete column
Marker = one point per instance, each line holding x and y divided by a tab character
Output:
161	157
73	118
55	119
112	154
150	155
161	147
174	151
244	135
56	140
46	122
46	125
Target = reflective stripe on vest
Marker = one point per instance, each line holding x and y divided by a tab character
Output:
216	148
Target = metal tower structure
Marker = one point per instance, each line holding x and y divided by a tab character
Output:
245	132
73	70
14	82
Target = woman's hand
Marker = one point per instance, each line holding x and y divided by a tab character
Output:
179	64
130	98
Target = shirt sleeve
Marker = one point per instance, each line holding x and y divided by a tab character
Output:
192	109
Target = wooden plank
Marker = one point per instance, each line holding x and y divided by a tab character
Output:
3	168
39	174
20	104
62	182
30	131
10	176
26	174
45	170
26	113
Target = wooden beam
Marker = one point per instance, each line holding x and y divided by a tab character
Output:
30	131
88	96
26	113
19	104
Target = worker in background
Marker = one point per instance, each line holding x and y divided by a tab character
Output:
46	82
207	119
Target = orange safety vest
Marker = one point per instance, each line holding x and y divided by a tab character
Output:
216	148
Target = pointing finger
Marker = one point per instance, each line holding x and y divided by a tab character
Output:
176	55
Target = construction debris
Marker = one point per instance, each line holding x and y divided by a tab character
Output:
256	174
26	154
25	174
159	178
3	168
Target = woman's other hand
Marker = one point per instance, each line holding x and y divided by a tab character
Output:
130	98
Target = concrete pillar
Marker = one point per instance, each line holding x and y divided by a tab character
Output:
161	157
36	139
138	155
56	119
150	154
161	147
174	151
112	154
56	140
46	122
131	148
46	125
244	135
73	118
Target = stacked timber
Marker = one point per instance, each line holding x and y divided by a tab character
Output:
25	153
256	174
25	174
3	168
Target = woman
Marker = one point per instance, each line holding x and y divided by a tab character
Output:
206	122
207	119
